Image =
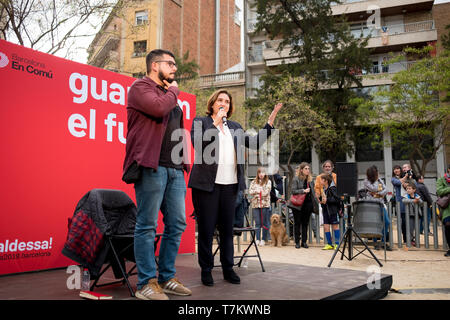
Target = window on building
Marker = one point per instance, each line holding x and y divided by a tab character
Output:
141	17
255	53
375	67
237	15
369	144
140	48
257	82
359	29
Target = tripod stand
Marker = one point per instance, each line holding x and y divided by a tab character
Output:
347	238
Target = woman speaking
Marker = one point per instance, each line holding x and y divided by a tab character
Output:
216	178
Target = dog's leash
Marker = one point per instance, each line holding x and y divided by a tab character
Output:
260	210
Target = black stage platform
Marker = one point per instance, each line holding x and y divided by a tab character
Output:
280	282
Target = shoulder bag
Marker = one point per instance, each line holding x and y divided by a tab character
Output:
443	201
298	199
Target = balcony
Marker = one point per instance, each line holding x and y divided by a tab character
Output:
382	74
102	55
379	74
403	34
255	56
395	35
271	55
220	80
251	25
392	7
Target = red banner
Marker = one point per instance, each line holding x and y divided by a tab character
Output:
63	129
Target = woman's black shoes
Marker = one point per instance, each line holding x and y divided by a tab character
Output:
297	246
207	279
304	245
231	277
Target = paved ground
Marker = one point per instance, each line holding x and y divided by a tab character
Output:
418	274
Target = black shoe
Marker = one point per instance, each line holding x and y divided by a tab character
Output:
447	254
207	278
231	277
297	246
378	246
304	245
388	248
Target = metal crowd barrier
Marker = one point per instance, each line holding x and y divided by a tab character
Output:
316	233
435	239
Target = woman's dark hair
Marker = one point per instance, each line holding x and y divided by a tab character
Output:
372	174
213	98
396	167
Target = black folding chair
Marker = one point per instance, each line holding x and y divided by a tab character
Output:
122	250
237	233
101	231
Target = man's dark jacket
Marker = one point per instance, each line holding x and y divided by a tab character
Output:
98	214
148	111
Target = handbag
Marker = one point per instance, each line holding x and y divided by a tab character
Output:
443	201
298	199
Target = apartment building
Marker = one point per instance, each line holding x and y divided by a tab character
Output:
208	29
400	23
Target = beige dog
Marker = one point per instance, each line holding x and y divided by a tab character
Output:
278	231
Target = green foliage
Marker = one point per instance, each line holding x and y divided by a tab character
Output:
186	69
299	124
414	107
327	56
192	86
446	39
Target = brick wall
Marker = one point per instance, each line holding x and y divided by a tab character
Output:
229	36
441	17
186	25
207	36
192	27
172	26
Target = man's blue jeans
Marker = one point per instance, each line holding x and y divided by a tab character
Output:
165	190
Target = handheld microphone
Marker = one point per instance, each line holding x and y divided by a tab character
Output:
224	119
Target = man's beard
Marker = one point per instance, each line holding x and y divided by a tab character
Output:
162	77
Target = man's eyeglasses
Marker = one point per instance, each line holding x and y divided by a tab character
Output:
170	63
